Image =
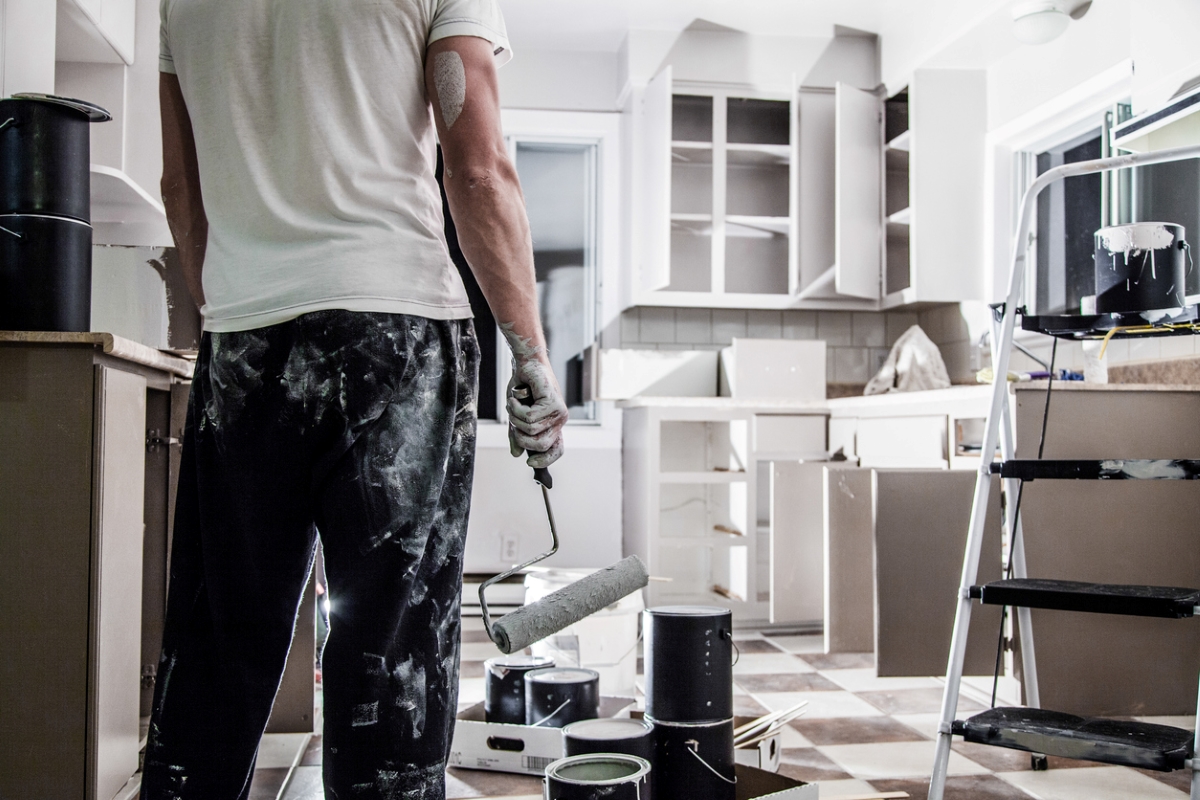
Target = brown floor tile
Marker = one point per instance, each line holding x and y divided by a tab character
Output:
961	787
312	753
756	646
855	730
475	636
1180	779
808	765
265	783
481	783
839	660
914	701
787	682
470	669
306	785
747	707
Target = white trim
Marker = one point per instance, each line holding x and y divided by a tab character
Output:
603	129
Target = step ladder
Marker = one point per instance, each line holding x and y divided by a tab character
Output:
1039	731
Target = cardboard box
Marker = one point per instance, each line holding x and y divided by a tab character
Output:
757	784
522	749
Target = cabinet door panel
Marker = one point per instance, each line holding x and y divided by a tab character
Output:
857	193
120	459
917	442
654	142
814	185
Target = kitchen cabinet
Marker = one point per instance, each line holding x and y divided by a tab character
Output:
691	498
76	519
96	31
740	204
933	206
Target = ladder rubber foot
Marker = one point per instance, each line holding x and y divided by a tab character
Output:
1169	602
1039	763
1112	469
1053	733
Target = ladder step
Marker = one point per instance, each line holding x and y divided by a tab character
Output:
1171	602
1053	733
1112	469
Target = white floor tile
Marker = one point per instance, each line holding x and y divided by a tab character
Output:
864	680
895	760
768	663
280	749
470	691
821	705
925	724
843	788
479	651
1091	783
810	643
790	737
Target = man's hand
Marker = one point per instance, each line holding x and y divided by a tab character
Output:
493	230
536	411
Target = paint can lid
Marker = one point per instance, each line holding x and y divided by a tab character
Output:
607	729
562	675
689	611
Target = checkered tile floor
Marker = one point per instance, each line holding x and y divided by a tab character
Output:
860	734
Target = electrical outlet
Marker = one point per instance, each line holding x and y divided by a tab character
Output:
510	547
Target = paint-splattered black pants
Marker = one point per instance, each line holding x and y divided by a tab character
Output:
360	426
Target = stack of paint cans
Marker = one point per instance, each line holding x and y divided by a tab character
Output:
504	686
689	701
615	736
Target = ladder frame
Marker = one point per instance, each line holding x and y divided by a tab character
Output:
999	432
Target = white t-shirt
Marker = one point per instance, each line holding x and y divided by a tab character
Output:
317	152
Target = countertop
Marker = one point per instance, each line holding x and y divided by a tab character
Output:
112	345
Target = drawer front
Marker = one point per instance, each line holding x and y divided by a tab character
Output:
790	434
918	442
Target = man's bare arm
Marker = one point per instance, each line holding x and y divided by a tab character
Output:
493	230
181	185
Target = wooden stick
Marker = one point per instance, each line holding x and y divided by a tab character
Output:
767	720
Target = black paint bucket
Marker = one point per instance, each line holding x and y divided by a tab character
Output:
689	663
598	777
631	737
1141	266
557	697
504	686
45	273
693	761
45	155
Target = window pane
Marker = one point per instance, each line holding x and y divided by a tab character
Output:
559	185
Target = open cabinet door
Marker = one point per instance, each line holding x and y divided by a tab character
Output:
794	189
654	158
858	183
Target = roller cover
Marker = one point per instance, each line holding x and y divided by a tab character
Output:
534	622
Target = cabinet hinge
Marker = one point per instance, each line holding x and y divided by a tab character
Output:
155	440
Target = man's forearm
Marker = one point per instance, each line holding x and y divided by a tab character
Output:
182	199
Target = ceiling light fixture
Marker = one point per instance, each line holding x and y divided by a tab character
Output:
1039	21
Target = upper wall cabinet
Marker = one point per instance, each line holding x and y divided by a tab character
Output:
96	31
735	203
935	189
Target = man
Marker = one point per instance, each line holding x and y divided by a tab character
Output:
336	382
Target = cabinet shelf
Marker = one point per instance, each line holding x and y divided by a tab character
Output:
901	142
702	477
779	225
751	154
901	217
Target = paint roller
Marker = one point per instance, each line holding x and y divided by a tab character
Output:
534	622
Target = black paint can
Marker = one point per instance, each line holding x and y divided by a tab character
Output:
598	777
689	663
693	761
45	273
631	737
559	696
1142	266
504	686
45	154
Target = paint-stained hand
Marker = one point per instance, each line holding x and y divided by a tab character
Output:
535	427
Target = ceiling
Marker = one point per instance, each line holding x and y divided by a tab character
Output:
602	24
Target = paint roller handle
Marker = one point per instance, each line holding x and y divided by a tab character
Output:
525	398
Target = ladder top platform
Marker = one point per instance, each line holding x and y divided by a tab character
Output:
1111	469
1170	602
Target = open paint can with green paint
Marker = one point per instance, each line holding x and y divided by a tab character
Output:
606	776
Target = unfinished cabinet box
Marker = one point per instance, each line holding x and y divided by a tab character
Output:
691	496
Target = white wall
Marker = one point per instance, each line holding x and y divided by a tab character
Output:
1163	40
27	46
565	81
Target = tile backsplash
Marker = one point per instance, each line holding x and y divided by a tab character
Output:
858	342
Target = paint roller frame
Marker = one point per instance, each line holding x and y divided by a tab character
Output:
630	575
